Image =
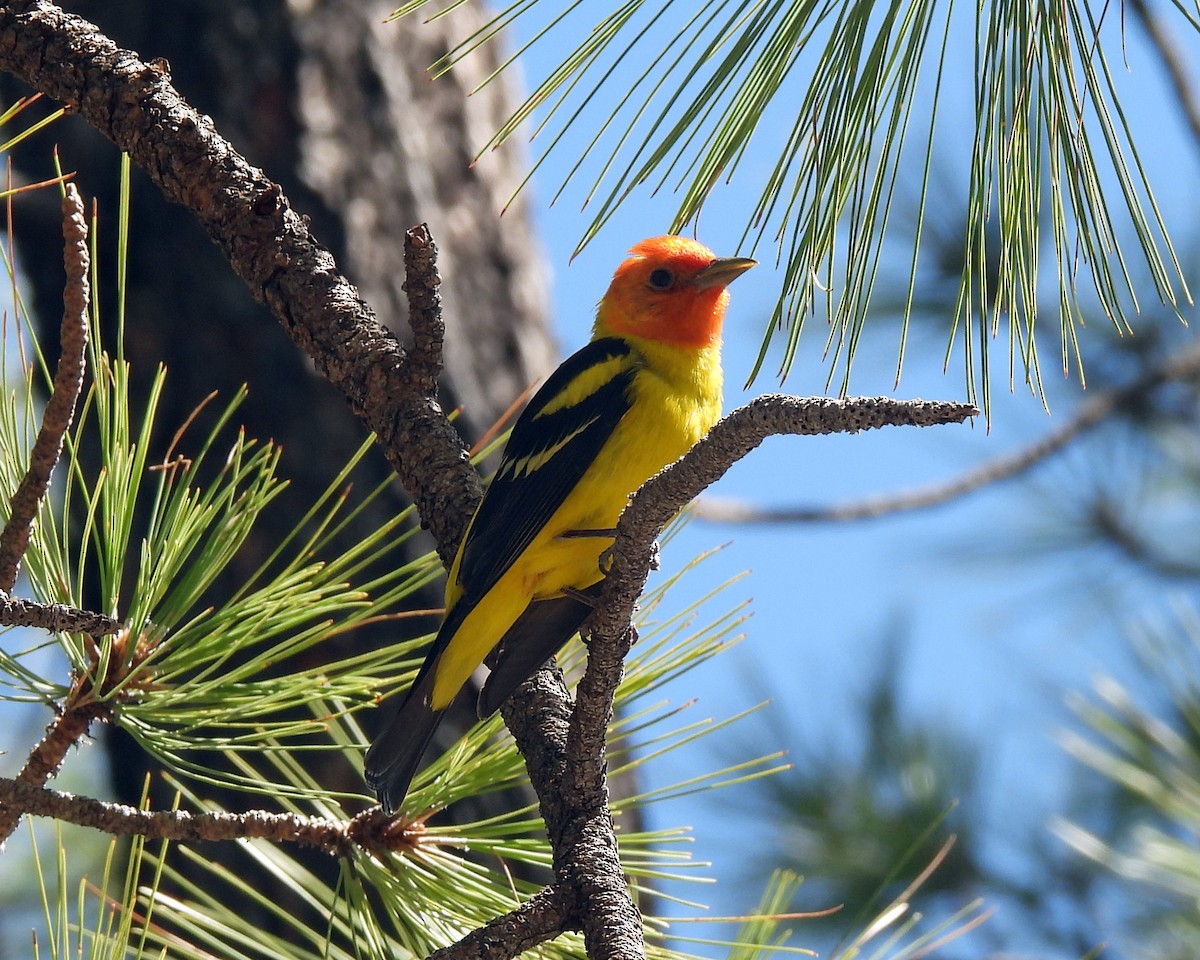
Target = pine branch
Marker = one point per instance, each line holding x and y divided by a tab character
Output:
60	408
369	831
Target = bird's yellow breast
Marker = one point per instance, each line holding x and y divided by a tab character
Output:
675	402
674	405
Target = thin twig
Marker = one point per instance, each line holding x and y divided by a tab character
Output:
76	718
422	283
89	699
60	409
119	674
368	831
115	673
56	617
64	731
1098	408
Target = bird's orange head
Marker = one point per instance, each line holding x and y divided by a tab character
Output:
671	290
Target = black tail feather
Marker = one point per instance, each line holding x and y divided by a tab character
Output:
395	754
392	761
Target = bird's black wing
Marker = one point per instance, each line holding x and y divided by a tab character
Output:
552	444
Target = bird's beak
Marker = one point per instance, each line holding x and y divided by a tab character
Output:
722	272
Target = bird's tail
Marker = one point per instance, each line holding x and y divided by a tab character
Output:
392	760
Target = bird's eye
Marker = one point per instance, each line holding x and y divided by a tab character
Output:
661	279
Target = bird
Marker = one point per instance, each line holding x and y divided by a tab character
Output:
636	397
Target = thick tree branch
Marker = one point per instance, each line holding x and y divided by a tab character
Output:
60	408
665	494
267	243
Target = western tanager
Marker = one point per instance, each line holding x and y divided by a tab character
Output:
633	400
